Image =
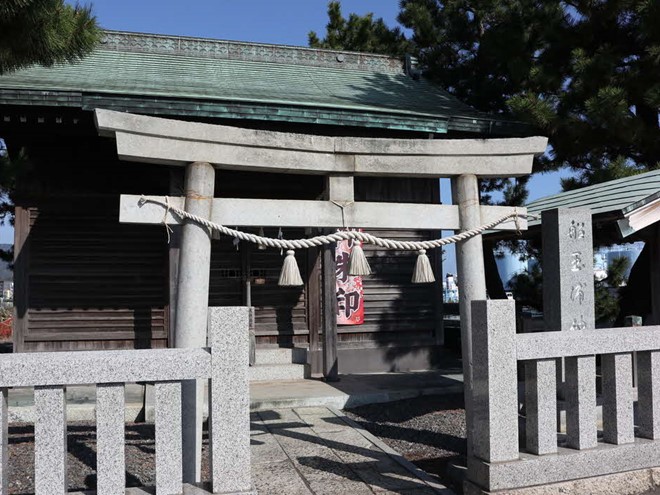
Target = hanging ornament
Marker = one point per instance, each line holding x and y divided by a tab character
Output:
290	275
423	273
358	264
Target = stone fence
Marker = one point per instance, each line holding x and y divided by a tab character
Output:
504	459
224	363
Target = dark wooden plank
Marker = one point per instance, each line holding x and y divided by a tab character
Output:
329	283
313	304
21	275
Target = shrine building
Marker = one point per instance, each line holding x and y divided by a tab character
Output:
83	280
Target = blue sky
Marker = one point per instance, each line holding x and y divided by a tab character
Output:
265	21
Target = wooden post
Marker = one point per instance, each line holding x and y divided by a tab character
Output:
21	275
314	314
330	365
192	307
471	280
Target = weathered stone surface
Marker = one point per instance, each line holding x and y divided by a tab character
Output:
285	213
568	289
83	367
495	421
169	476
544	345
541	406
50	453
175	142
618	422
230	399
648	392
192	300
110	458
278	477
605	459
643	481
580	390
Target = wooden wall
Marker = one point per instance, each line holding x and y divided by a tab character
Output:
84	281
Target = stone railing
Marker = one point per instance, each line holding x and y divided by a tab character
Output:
224	363
502	460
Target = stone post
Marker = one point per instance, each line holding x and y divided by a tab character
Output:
192	306
229	400
471	279
568	305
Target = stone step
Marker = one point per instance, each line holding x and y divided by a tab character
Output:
270	372
281	355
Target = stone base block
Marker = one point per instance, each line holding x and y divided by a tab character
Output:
638	482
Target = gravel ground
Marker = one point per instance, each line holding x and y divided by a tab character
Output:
428	431
140	456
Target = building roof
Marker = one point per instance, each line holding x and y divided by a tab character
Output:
172	75
608	198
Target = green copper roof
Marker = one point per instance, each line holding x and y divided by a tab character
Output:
610	197
197	77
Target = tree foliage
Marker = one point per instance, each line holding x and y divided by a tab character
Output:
359	33
585	73
44	32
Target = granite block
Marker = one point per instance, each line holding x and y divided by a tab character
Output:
50	448
545	345
648	391
230	399
4	442
264	449
84	367
495	382
568	464
568	288
541	406
278	477
169	471
110	458
580	390
618	421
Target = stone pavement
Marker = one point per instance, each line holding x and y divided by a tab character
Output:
318	450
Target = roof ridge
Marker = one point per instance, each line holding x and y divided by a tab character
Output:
591	187
126	41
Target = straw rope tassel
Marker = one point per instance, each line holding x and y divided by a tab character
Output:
290	275
423	273
358	264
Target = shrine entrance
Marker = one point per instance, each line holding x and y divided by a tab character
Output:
203	148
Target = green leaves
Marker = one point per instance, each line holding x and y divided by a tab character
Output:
587	74
359	33
44	32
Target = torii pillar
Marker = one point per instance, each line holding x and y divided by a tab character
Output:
471	279
192	304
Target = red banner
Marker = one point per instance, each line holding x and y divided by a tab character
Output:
350	293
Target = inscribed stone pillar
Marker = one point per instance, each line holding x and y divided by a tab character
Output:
471	279
192	306
568	305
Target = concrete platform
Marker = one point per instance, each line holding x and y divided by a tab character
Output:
354	390
350	391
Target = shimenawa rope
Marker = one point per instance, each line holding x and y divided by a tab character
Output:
290	245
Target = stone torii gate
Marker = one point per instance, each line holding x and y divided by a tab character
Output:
202	148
